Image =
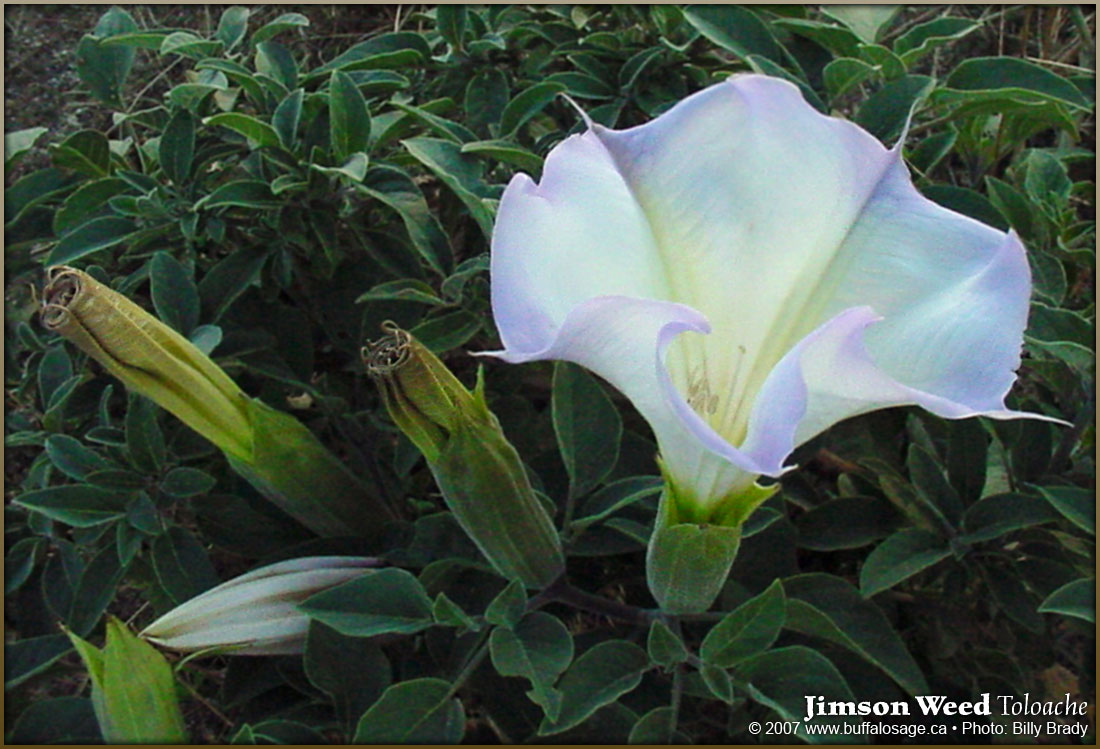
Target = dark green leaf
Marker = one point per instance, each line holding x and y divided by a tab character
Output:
232	26
967	202
664	646
899	557
868	22
29	657
459	172
419	711
103	68
86	152
526	104
257	131
450	21
174	294
385	50
283	23
227	280
396	189
182	565
85	201
97	234
78	505
508	607
286	117
72	458
1077	505
144	439
353	671
58	720
866	519
749	629
94	591
538	648
247	193
844	73
389	600
177	146
349	121
1077	598
884	114
486	98
1015	77
925	37
829	607
507	152
735	29
600	676
587	425
186	482
996	515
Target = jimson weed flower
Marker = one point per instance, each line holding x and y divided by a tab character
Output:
272	450
479	472
748	272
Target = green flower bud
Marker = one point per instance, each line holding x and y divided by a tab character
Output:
477	469
272	450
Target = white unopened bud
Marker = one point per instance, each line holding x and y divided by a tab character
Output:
256	613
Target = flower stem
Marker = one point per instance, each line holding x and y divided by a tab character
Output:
561	591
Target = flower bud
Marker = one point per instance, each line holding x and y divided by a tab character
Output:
272	450
479	472
148	356
256	613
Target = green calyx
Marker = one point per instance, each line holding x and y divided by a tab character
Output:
691	552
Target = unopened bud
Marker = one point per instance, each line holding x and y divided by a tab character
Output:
479	472
256	613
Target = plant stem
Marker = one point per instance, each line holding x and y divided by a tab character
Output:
474	661
561	591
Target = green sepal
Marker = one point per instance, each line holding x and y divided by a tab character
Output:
298	474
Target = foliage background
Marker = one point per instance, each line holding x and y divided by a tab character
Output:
913	551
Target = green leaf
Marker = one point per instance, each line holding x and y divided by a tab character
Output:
405	289
355	168
286	117
664	646
931	151
508	607
232	26
782	678
396	189
394	49
899	557
507	152
97	234
450	22
26	658
966	458
182	565
418	711
450	614
133	688
246	193
718	682
283	23
60	720
658	726
837	39
72	458
227	280
931	482
866	519
257	131
461	173
353	671
78	505
633	68
449	331
349	121
1017	78
144	439
735	29
885	112
85	201
615	496
94	591
587	425
829	607
486	98
104	68
845	73
1077	599
186	44
526	104
175	296
747	630
538	648
186	482
998	514
923	38
21	560
599	677
1077	505
389	600
868	22
967	202
18	142
177	146
86	152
